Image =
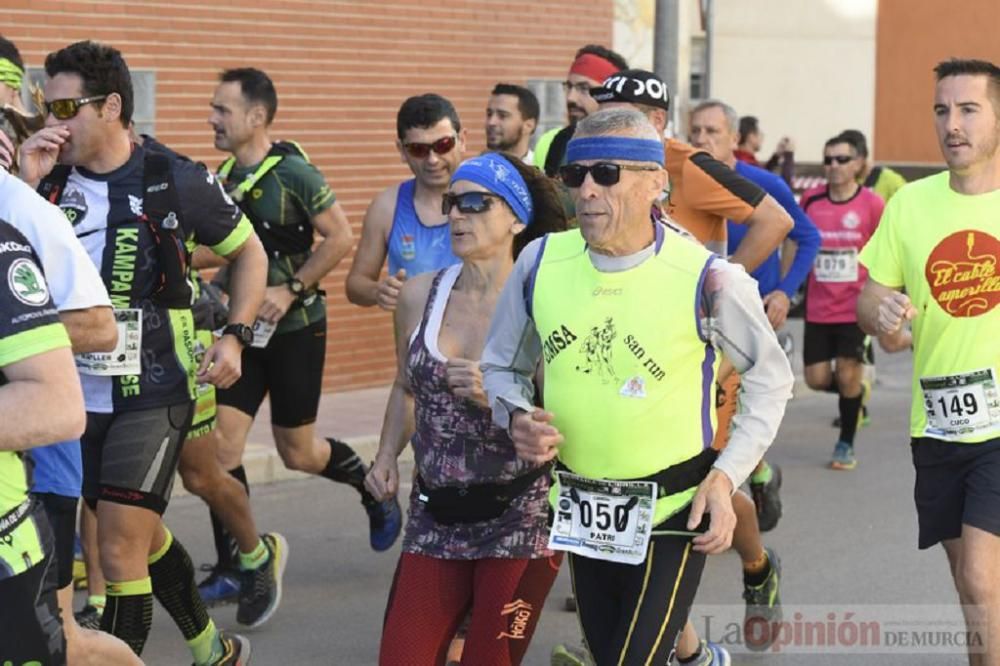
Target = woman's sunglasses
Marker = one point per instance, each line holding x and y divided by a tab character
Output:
421	150
468	203
64	109
605	174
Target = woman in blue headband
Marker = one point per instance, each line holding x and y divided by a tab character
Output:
476	537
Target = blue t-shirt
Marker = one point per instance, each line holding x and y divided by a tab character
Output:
58	469
413	246
768	274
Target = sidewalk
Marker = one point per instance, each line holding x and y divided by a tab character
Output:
352	416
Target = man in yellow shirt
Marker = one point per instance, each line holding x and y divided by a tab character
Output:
939	240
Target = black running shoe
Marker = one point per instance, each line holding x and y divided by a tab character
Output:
763	614
260	589
89	617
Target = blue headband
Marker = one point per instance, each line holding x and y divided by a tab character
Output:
615	148
498	175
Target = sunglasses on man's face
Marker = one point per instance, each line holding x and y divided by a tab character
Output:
604	174
64	109
839	159
421	150
468	203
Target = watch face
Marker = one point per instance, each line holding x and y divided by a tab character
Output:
296	286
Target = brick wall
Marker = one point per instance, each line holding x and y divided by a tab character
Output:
341	70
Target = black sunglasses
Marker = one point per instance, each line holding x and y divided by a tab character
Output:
64	109
839	159
422	150
605	174
468	202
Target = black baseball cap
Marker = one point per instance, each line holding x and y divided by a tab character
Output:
635	86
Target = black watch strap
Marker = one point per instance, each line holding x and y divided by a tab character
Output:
241	332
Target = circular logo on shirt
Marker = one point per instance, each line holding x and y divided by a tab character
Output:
850	220
26	282
962	273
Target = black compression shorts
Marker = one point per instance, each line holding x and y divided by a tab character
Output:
131	457
30	628
632	614
290	369
61	512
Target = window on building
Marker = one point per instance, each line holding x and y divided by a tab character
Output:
143	88
551	102
698	61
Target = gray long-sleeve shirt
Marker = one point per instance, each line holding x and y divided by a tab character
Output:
733	321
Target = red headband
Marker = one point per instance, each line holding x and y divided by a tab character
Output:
594	67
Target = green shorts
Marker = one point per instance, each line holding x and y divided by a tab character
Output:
204	402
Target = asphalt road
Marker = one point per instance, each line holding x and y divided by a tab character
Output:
847	542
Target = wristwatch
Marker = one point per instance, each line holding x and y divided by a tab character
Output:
241	332
296	286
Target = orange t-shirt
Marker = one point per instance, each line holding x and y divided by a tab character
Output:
704	193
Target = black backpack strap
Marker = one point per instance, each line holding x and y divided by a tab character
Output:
161	212
873	177
278	241
52	186
557	150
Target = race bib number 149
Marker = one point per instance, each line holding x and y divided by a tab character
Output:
964	404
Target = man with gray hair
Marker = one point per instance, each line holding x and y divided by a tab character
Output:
714	128
624	361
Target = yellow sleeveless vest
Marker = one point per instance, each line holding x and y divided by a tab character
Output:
627	375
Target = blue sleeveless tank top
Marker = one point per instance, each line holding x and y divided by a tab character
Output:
413	246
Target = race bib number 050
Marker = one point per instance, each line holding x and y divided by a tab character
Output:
838	264
601	519
958	405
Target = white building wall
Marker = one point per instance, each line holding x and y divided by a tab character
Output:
805	68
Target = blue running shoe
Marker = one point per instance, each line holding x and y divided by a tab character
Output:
843	457
385	521
221	587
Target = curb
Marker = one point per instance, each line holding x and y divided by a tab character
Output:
263	465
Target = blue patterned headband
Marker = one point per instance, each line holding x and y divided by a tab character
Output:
495	172
615	148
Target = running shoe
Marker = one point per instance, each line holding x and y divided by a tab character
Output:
221	587
767	500
89	617
260	589
568	655
843	457
763	613
235	650
385	520
712	654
